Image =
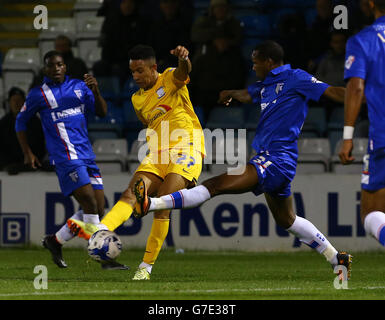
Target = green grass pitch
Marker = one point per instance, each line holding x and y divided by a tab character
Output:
201	275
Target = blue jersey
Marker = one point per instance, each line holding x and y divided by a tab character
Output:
63	111
365	59
283	97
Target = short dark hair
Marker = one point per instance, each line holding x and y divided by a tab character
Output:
51	54
380	4
16	91
142	52
270	50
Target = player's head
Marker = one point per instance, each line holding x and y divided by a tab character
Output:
16	98
143	66
377	6
267	56
54	66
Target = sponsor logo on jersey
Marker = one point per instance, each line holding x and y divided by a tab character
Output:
158	112
160	92
67	113
349	62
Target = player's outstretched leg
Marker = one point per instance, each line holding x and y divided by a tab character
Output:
54	243
283	212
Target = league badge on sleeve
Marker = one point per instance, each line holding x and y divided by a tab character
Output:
349	62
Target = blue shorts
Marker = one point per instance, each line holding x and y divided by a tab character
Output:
272	178
373	172
77	173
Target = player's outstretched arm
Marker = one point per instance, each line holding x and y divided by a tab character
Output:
100	103
336	94
29	158
184	64
353	101
242	95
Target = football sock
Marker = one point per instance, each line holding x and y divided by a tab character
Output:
91	218
120	213
64	234
374	224
310	235
155	240
185	198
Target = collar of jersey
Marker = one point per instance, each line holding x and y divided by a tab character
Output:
276	72
50	81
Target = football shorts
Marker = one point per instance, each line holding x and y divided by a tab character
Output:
77	173
273	178
373	172
186	163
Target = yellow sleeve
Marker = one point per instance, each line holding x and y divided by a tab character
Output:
173	82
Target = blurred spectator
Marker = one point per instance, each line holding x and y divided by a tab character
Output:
107	7
219	21
122	29
76	67
151	9
319	33
220	68
292	37
331	66
11	157
170	30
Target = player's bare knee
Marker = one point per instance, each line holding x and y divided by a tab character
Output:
163	214
128	196
211	186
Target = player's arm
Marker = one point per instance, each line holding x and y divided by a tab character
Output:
27	111
29	157
100	103
184	64
242	95
353	101
336	94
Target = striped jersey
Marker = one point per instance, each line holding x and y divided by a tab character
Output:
63	109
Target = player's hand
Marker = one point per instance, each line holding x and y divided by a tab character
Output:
180	52
31	160
345	153
225	97
91	82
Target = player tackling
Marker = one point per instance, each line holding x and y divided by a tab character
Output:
365	73
282	95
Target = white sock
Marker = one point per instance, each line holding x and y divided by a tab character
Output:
374	224
91	218
310	235
185	198
64	234
147	266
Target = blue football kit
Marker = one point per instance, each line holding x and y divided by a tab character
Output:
63	109
365	59
283	97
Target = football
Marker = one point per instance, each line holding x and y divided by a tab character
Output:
104	245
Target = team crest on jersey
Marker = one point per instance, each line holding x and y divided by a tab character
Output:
349	62
74	176
78	93
279	87
160	92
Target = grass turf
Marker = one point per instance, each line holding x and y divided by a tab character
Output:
202	275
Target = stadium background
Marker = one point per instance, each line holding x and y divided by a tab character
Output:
325	192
